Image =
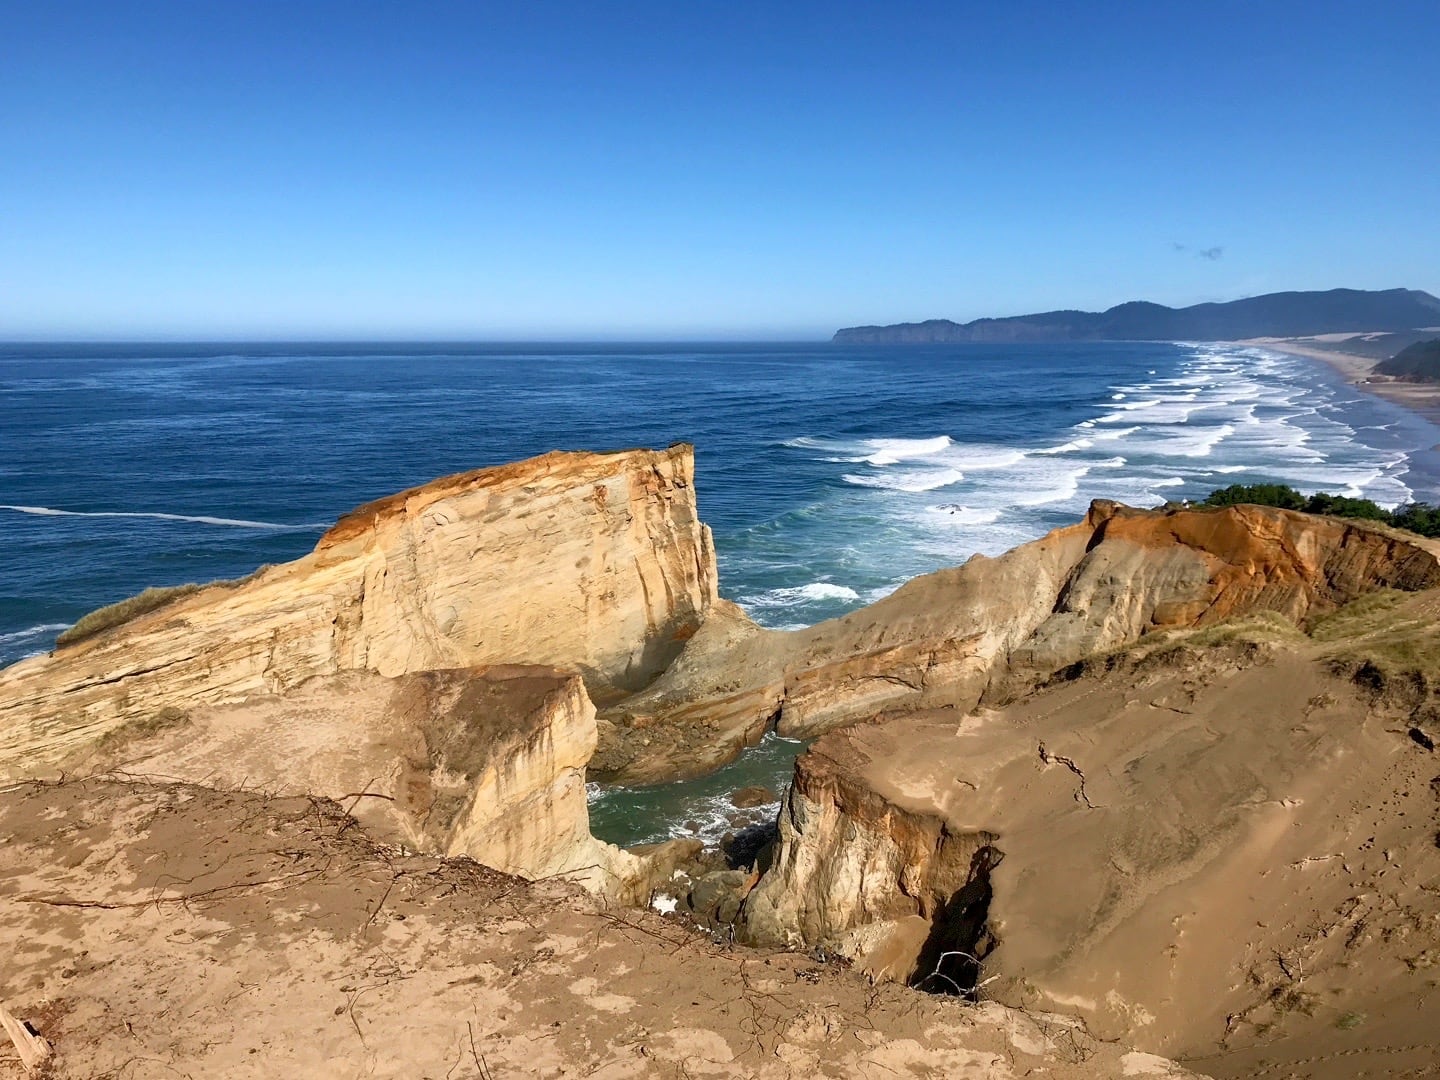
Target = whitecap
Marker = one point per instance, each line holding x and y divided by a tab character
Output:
1069	447
907	481
32	632
965	515
199	519
893	451
1069	488
792	595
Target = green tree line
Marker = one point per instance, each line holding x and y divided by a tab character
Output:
1417	517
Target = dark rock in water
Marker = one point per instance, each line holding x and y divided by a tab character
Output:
748	797
746	848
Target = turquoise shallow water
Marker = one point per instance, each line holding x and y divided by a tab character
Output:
829	474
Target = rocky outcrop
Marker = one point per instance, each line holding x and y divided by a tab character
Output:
849	858
595	563
983	631
483	762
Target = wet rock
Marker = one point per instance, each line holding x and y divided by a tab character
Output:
748	797
749	848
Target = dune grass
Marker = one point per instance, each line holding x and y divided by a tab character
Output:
132	607
152	599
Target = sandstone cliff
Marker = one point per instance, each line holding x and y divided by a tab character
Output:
596	563
980	632
483	762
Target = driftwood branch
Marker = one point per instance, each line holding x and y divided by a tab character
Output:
33	1050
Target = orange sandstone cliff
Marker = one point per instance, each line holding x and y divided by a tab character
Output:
982	631
594	563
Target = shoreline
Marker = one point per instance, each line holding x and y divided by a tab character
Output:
1422	399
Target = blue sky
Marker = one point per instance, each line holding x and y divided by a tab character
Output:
575	170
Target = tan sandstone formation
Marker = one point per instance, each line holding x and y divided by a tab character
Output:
1226	851
483	762
981	631
594	563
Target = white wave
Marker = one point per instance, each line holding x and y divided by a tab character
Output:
1069	447
199	519
877	452
791	595
825	590
894	451
1116	433
907	481
33	632
965	515
1068	489
982	456
1211	439
1173	481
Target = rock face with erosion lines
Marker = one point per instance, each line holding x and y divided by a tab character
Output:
984	631
596	563
487	763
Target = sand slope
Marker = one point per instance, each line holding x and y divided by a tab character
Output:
179	931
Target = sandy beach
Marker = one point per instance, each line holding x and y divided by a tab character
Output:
1421	398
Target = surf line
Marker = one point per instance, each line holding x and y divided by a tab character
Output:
199	519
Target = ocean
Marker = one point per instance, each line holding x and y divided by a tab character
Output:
829	474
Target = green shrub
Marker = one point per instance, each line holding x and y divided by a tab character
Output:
1421	518
1287	498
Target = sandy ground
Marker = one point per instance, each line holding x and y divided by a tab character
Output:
1422	398
1229	856
179	931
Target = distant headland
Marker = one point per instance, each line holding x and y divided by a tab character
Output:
1283	314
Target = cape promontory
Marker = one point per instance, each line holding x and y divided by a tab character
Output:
1282	314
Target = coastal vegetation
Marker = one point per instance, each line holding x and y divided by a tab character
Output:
123	611
152	599
1415	517
1419	362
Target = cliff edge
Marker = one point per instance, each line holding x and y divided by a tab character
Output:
595	563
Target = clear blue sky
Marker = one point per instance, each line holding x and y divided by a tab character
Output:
570	170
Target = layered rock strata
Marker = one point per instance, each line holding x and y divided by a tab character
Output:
981	631
595	563
484	762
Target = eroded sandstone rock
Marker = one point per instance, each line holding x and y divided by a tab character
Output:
484	762
985	630
1218	853
596	563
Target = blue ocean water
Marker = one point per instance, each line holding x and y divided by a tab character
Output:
829	474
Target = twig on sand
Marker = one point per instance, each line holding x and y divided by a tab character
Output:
481	1064
118	905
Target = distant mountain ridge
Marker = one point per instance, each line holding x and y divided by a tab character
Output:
1283	314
